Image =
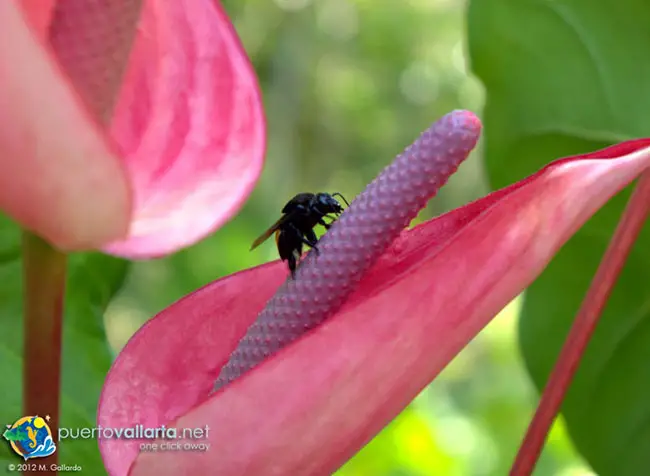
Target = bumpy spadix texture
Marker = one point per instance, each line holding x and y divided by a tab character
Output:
356	240
92	40
140	141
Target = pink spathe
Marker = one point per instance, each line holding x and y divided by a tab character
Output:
59	175
182	150
191	125
311	406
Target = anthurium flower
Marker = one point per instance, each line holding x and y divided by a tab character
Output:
139	142
320	395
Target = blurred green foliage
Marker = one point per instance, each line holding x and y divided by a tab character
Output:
93	279
347	84
559	82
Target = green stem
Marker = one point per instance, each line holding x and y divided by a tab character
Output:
44	277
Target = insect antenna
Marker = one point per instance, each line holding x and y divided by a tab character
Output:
337	193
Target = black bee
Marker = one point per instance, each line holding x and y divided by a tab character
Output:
295	227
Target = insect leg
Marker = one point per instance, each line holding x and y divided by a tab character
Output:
326	225
291	261
311	239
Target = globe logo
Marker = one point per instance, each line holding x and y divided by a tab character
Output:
30	437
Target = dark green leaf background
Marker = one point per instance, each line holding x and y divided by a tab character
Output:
92	281
567	77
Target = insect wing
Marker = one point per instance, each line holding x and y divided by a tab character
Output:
267	234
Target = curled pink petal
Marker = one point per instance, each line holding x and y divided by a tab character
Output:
188	122
312	405
58	176
191	124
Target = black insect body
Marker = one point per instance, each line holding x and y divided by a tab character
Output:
295	227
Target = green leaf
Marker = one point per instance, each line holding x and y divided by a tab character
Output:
562	78
92	281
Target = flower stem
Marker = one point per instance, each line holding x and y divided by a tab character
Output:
583	327
44	276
